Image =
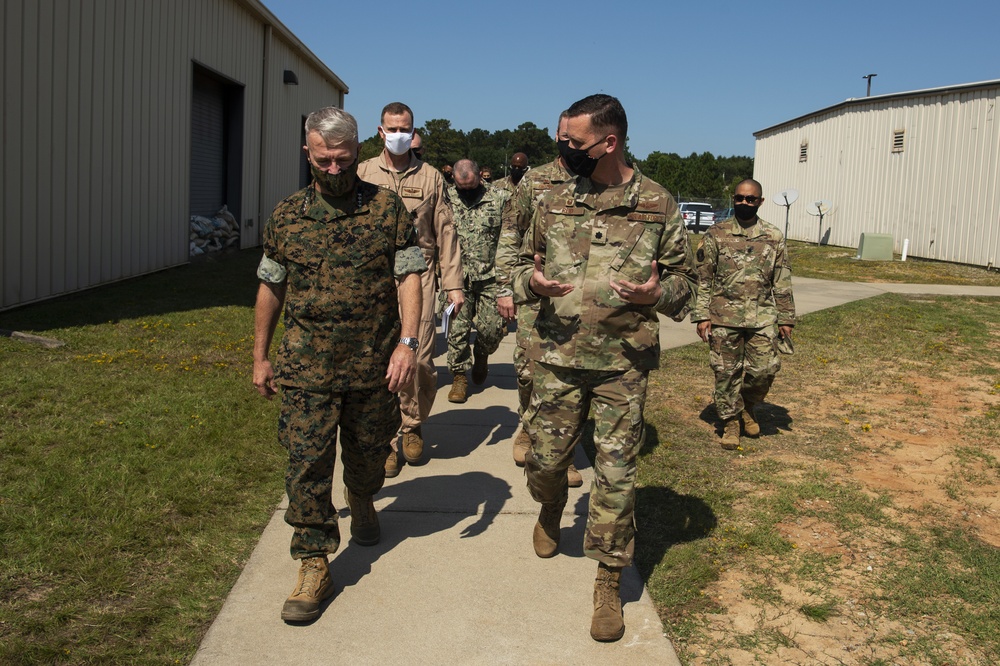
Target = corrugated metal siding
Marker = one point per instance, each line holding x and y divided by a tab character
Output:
940	192
283	130
96	133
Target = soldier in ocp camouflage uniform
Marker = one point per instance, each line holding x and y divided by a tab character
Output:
518	167
604	254
516	218
744	304
477	211
333	253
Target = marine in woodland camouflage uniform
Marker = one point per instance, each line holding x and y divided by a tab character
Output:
744	303
596	336
333	263
477	211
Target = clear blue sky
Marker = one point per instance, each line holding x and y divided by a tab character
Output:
693	77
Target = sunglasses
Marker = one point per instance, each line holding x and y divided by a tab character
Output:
750	199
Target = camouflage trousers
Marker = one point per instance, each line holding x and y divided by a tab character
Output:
480	309
523	366
307	429
561	401
745	362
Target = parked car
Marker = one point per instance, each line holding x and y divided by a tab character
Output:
724	214
697	216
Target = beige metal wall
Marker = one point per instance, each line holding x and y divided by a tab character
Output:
282	128
96	131
941	192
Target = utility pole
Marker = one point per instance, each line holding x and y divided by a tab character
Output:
869	77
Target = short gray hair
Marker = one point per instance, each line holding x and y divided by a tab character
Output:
335	125
464	169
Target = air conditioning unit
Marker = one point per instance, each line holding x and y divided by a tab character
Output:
875	247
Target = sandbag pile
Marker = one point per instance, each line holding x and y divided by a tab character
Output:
213	234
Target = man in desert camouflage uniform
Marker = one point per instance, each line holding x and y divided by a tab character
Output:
744	307
333	253
422	189
518	167
604	254
477	212
516	217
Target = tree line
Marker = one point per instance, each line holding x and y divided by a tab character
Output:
697	176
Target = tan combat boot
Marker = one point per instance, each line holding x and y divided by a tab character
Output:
480	368
731	435
365	529
750	425
574	477
608	623
413	446
314	585
546	535
521	446
392	465
459	389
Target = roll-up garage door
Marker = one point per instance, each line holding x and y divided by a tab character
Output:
208	146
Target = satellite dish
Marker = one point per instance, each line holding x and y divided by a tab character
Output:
786	197
819	209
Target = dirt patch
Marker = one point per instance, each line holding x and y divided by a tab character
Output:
915	449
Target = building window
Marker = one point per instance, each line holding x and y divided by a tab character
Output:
897	141
803	151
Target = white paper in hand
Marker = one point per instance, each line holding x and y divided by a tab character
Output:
446	317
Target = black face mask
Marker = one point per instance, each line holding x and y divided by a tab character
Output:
577	159
745	212
517	173
470	197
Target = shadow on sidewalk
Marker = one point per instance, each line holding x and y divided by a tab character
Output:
461	430
421	507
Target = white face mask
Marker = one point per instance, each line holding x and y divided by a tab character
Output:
398	142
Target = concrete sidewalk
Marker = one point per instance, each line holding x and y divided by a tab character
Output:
454	579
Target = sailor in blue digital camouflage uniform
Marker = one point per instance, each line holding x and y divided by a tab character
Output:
333	254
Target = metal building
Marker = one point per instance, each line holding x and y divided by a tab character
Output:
122	118
920	165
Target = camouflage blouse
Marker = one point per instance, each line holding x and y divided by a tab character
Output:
340	266
587	239
744	277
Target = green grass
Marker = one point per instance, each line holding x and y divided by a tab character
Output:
139	467
837	263
820	414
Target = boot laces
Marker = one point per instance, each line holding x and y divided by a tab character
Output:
312	576
607	590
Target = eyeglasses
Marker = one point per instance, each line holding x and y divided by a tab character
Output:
750	199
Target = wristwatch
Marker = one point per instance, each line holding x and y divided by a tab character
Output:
412	343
